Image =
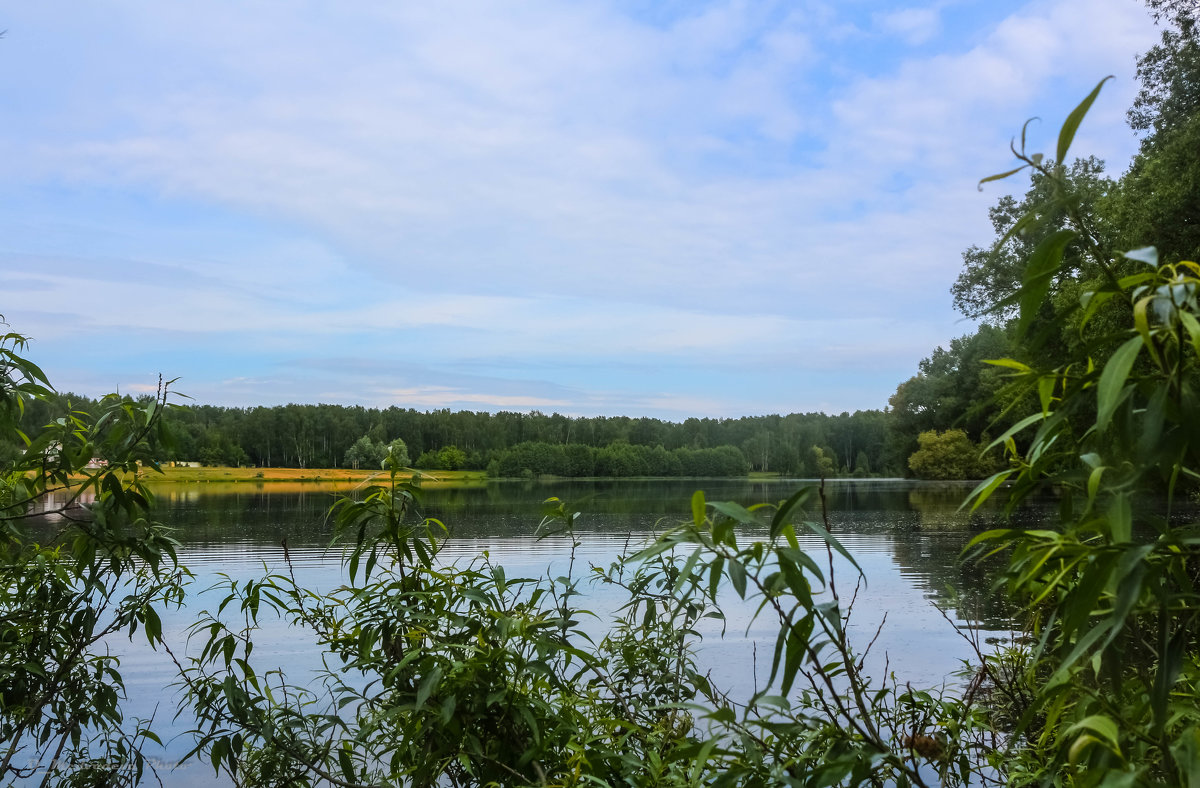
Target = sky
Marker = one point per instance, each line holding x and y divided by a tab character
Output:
596	207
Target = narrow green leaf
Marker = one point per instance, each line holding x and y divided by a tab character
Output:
685	573
1046	385
783	513
1000	176
737	576
735	511
1186	750
1043	265
1008	362
1193	328
820	531
803	559
427	685
1111	387
1099	724
1146	254
1093	483
1141	321
1067	133
985	489
1014	429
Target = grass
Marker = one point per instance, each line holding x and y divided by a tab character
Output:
334	476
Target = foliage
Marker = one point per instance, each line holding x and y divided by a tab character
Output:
990	277
369	453
321	436
80	564
1170	90
1110	693
619	460
1159	196
948	455
438	672
954	389
460	674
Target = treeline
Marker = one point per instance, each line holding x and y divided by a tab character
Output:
516	444
617	459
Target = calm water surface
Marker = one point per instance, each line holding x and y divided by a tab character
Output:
906	536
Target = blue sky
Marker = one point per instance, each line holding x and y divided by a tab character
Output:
596	207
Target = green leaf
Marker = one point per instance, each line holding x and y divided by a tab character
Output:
1146	254
820	531
735	511
1043	265
1141	321
737	576
1046	385
1000	176
1008	362
1111	387
1186	750
345	762
1193	328
701	759
783	513
985	489
427	686
1100	725
1093	483
1014	429
803	559
698	508
686	572
1067	133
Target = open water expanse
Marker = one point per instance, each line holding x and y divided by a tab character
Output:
906	536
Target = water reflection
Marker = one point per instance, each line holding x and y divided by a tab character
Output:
906	537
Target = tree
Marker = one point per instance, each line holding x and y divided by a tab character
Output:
954	389
451	458
396	454
824	463
1109	691
75	572
947	455
990	277
366	453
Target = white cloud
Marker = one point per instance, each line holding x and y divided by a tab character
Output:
538	181
913	25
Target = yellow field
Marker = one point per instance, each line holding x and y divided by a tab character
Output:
337	477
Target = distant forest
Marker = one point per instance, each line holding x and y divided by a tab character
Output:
520	444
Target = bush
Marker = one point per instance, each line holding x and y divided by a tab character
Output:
947	455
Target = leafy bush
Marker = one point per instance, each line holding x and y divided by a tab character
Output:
80	561
947	455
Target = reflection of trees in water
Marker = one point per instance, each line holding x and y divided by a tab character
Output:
939	507
918	524
932	562
247	515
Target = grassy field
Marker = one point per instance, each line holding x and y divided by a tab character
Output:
335	476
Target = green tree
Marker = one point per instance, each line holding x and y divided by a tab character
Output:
953	389
947	455
451	458
396	454
365	453
90	567
824	463
986	287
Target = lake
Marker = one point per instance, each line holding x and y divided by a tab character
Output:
906	536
